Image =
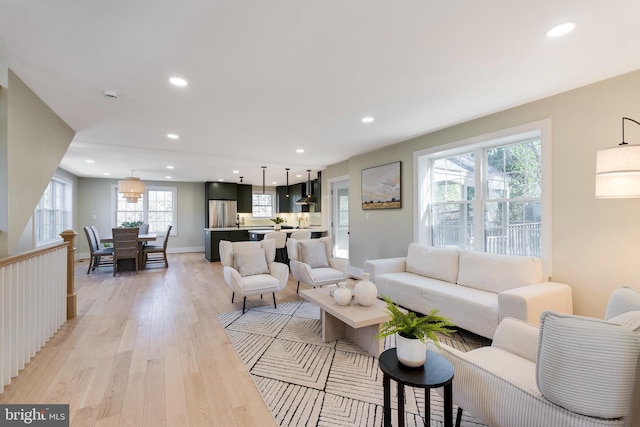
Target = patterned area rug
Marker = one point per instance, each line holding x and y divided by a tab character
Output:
306	382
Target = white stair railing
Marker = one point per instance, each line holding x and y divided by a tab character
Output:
33	305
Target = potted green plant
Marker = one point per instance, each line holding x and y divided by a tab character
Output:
144	228
277	221
412	331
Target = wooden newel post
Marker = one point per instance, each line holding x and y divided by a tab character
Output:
70	236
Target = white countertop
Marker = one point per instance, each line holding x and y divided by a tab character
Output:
266	229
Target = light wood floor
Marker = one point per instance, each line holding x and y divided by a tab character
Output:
148	350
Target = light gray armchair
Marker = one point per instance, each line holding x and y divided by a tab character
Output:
249	269
312	263
572	371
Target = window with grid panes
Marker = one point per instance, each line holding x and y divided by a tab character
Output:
262	205
53	211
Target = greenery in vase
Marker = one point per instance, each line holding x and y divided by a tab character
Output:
278	220
132	224
409	325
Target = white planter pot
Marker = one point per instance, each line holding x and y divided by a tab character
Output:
342	295
411	352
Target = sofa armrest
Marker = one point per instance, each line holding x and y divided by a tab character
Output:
385	265
528	302
517	337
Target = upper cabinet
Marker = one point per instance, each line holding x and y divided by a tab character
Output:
283	200
221	191
245	196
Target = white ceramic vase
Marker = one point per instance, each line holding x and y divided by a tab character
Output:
277	227
365	291
342	295
411	351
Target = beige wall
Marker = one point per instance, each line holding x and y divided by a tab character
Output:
95	208
32	127
595	242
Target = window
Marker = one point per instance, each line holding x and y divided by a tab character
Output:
53	213
262	205
489	194
157	207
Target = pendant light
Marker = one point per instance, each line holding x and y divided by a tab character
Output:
618	169
287	169
308	198
263	174
131	188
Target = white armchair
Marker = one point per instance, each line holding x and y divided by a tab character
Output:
572	371
249	269
312	263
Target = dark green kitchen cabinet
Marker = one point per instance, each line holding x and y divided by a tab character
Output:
245	198
221	191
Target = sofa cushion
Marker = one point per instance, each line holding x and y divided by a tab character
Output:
587	365
313	253
437	263
251	262
497	273
471	309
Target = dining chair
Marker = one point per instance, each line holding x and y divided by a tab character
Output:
99	256
125	246
300	235
158	253
281	243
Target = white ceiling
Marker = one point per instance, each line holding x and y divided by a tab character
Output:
268	77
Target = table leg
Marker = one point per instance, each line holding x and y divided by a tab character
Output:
400	405
386	386
448	405
427	407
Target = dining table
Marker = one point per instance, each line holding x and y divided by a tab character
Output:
142	239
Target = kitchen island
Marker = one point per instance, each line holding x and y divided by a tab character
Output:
234	234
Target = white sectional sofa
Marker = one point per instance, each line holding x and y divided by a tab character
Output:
476	290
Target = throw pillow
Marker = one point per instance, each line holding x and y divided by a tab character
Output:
251	262
313	254
587	365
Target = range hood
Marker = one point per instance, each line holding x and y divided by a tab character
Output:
309	198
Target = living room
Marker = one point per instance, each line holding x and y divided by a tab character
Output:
591	241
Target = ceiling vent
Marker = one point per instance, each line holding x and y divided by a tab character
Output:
110	94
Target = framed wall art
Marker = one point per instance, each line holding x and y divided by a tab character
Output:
381	187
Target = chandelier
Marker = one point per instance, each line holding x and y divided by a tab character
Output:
131	188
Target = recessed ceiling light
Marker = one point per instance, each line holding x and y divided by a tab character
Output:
299	175
178	81
561	30
106	174
170	167
274	182
90	161
168	177
221	180
172	136
367	120
300	150
236	171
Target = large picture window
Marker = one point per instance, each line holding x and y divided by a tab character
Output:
488	195
157	207
53	213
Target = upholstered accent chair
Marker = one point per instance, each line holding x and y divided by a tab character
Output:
571	371
156	254
312	263
249	269
99	256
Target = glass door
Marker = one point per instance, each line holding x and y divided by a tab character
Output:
340	220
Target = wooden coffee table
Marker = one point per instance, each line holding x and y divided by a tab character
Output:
358	323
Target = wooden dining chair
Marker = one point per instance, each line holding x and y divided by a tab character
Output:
125	246
99	256
154	251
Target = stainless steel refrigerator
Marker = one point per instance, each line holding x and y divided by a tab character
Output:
223	213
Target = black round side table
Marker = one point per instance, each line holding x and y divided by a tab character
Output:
436	372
